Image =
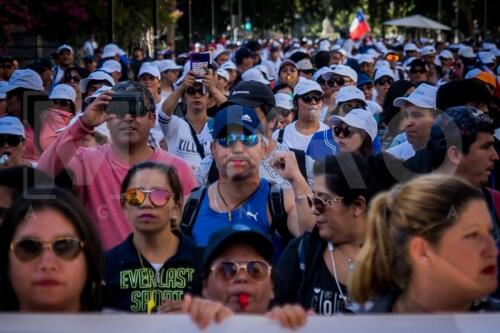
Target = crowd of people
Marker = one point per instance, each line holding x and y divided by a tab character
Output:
289	178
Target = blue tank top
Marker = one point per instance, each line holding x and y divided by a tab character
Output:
253	213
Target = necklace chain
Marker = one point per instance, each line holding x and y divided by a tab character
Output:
229	211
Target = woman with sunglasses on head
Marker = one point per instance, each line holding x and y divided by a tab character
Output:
156	264
50	256
63	96
314	269
72	76
429	249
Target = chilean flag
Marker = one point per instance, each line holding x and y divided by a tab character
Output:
359	27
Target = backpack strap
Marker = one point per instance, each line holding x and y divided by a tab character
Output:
191	210
281	134
279	216
300	156
199	147
213	173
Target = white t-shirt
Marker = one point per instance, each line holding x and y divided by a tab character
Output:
402	151
180	140
156	133
293	139
266	169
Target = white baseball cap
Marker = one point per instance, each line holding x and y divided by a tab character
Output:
284	101
383	72
149	68
220	50
324	45
65	47
426	50
63	91
349	93
254	74
23	78
110	50
446	54
486	57
365	58
228	65
358	118
346	71
110	66
382	64
320	72
11	125
305	64
466	51
423	97
99	91
97	75
305	86
167	65
223	73
410	47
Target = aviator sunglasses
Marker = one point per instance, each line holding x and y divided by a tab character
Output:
136	197
65	248
257	270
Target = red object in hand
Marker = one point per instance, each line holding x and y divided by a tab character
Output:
243	302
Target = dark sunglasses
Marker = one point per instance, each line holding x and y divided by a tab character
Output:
384	81
136	197
73	79
62	102
6	66
319	205
247	140
311	97
346	131
308	71
65	248
11	140
257	270
418	70
192	91
331	82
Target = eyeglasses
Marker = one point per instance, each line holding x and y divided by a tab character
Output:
136	197
65	248
62	102
418	70
257	270
331	82
319	205
311	97
75	79
192	91
11	140
247	140
346	131
384	81
347	107
392	57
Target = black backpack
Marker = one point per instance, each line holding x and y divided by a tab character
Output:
275	201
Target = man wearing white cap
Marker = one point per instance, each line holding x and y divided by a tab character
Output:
410	50
113	68
12	142
420	112
111	52
447	62
59	116
22	83
307	99
65	58
340	76
428	54
97	79
366	65
169	72
223	81
284	107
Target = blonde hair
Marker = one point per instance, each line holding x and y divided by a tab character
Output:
424	207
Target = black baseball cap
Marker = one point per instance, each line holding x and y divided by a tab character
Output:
239	234
234	114
252	94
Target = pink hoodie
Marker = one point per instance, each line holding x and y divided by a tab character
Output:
55	120
97	176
